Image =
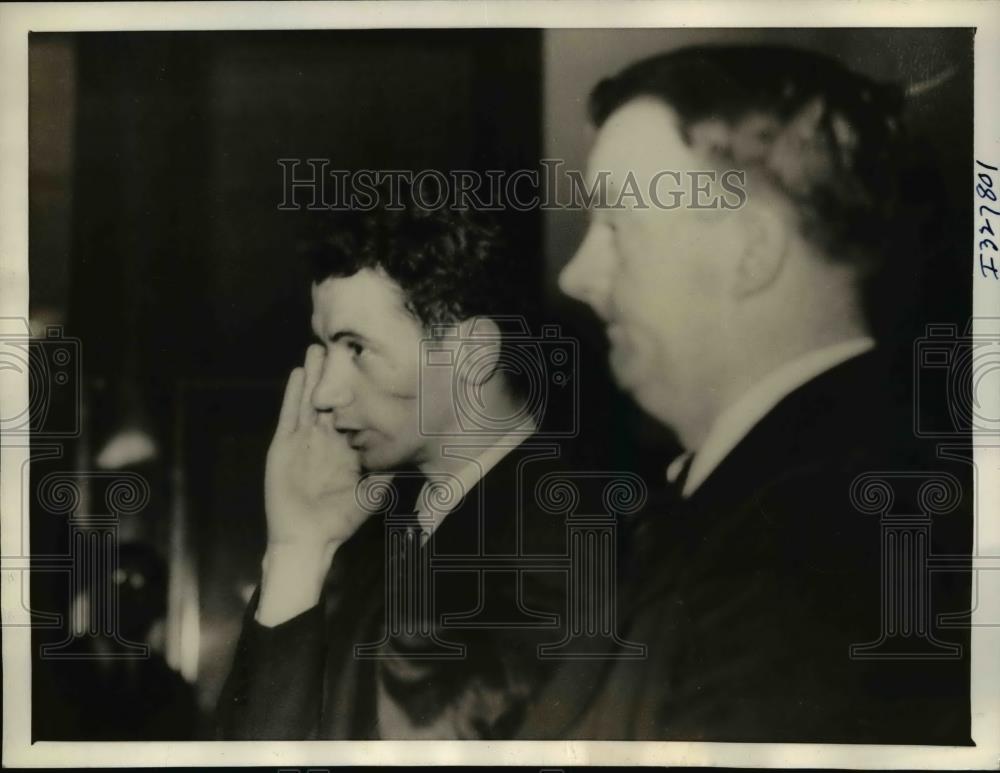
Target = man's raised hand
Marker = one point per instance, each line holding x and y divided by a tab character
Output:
309	497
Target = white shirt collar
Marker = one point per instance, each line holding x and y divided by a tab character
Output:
675	466
468	475
736	421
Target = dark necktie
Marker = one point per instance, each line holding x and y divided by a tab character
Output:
663	506
400	673
407	484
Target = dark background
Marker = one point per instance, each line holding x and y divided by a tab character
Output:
155	238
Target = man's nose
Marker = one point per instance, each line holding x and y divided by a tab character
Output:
585	278
334	389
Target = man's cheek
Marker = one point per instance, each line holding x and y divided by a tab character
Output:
382	449
384	382
436	384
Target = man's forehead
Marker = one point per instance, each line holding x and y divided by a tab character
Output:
642	137
363	299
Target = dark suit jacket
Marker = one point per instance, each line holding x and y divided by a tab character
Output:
302	679
750	593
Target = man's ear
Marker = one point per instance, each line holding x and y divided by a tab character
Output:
482	358
806	121
765	247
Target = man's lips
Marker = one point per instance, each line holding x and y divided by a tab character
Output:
355	435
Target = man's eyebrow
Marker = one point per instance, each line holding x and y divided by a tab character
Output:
340	334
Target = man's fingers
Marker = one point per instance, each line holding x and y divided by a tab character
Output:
313	370
288	419
325	421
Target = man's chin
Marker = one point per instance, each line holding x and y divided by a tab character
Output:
625	368
649	391
380	460
372	462
640	381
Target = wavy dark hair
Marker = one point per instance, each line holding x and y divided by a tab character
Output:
842	173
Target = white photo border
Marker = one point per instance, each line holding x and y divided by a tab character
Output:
18	19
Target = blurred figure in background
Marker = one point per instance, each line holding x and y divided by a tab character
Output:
106	693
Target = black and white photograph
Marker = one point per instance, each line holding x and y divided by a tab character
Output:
576	389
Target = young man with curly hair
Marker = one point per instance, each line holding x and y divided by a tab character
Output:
413	376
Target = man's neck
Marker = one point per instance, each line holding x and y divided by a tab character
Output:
454	452
460	467
755	358
463	444
740	416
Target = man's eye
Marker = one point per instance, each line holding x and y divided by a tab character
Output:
356	348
